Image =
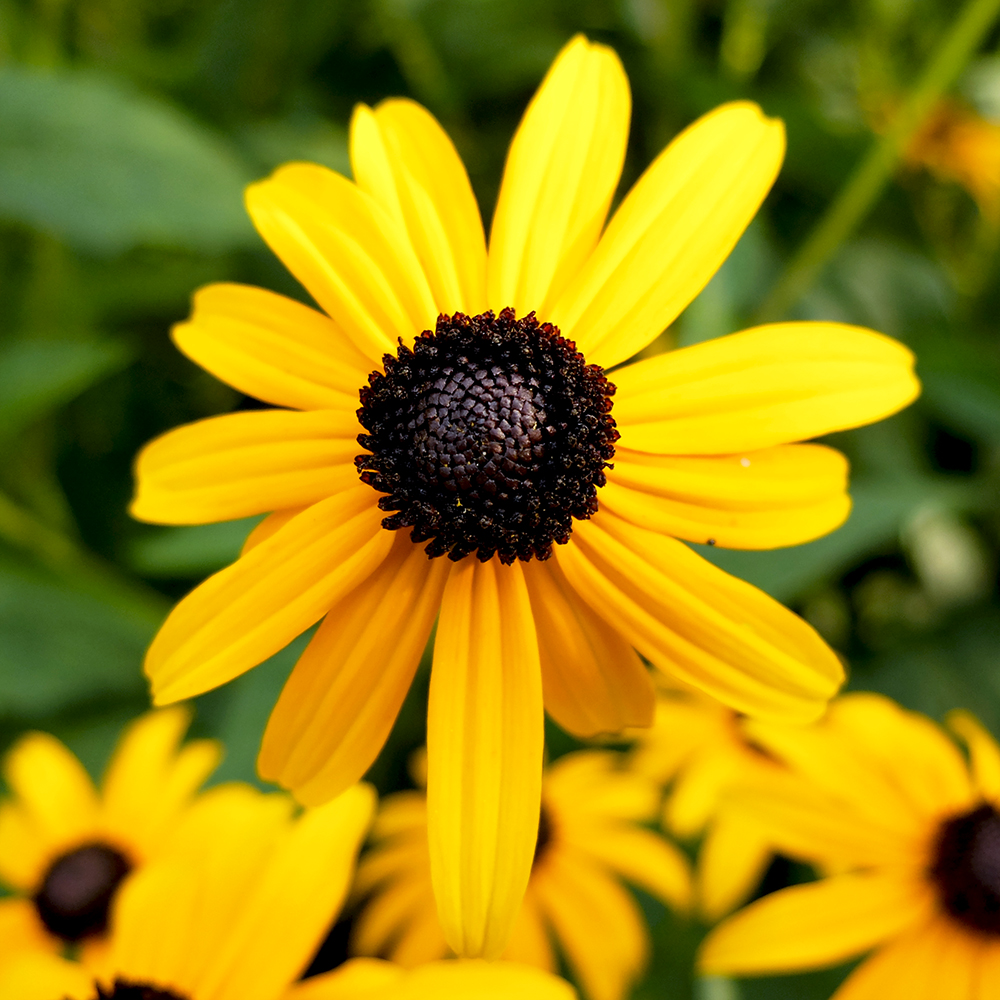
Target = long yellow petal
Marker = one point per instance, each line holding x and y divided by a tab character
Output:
731	862
245	463
694	621
529	942
403	158
671	233
592	679
248	611
767	386
819	923
342	698
484	754
37	976
273	348
983	751
354	257
562	169
762	500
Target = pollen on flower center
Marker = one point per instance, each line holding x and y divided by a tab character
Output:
123	990
77	890
490	436
966	868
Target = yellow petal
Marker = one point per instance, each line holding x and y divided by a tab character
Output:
597	924
388	916
529	941
983	751
562	169
766	386
273	348
248	611
671	233
246	463
711	630
816	924
592	679
266	528
21	930
37	976
484	754
403	158
591	787
341	700
151	778
353	256
698	788
733	859
762	500
356	979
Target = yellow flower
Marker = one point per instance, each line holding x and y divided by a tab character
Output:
65	846
698	744
882	798
233	912
491	436
589	838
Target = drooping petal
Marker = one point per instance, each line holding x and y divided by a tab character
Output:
403	158
733	859
763	387
983	751
342	698
562	169
671	233
713	631
248	611
761	500
484	754
245	463
354	257
592	679
273	348
819	923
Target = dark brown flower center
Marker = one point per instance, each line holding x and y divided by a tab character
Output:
123	990
77	890
490	436
966	868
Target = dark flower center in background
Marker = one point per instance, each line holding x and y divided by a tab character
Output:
544	836
123	990
967	868
490	436
77	890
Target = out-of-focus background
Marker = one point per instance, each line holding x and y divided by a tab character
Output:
128	129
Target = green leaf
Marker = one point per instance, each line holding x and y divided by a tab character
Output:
38	376
189	551
105	167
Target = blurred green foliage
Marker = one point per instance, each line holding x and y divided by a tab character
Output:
127	130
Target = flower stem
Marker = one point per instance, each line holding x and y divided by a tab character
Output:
862	189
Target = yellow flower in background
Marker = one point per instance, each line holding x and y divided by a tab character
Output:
882	798
590	838
698	746
485	429
65	846
234	912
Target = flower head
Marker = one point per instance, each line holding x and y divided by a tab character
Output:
65	846
884	800
474	483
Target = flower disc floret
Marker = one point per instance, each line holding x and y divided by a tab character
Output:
490	436
966	868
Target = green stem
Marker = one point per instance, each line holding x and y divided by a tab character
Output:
863	188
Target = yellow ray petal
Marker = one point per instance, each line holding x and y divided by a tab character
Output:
273	348
266	528
342	698
593	786
592	679
711	630
150	778
379	926
356	979
529	941
484	754
21	930
37	976
762	500
403	158
767	386
562	169
354	258
733	859
386	861
987	971
698	788
820	923
422	940
671	233
597	924
245	463
248	611
983	752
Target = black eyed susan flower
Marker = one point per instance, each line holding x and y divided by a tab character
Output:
697	745
589	839
445	448
65	847
884	800
233	912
